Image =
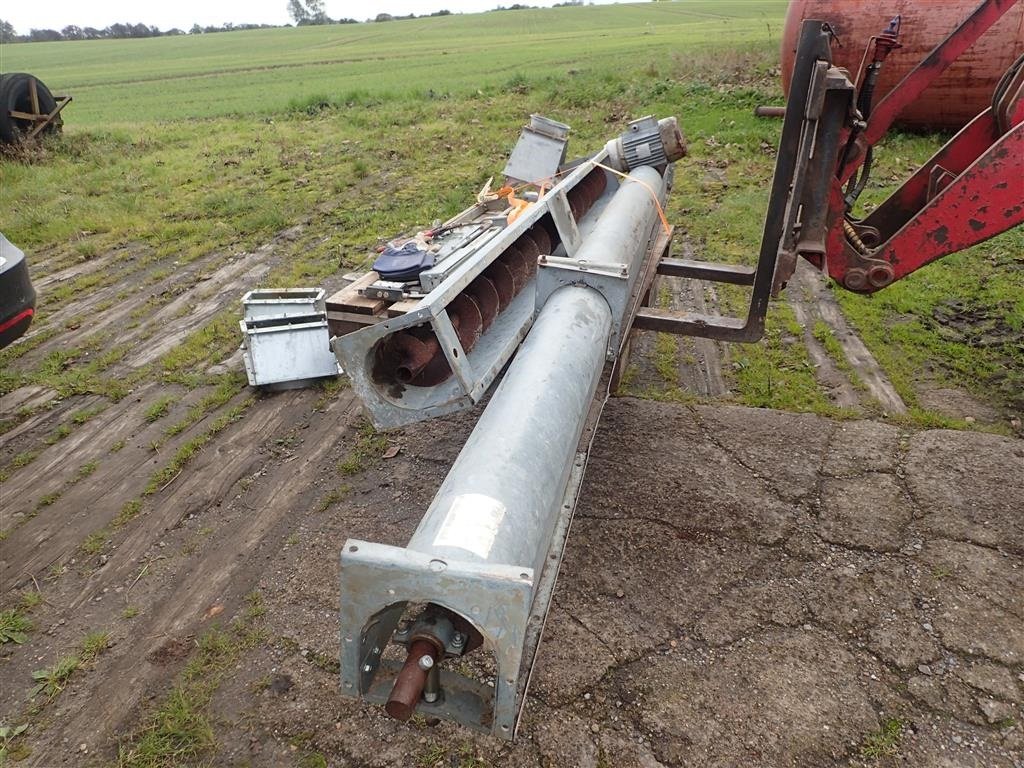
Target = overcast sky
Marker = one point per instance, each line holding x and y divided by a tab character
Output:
57	14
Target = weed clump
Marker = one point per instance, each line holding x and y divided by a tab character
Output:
311	105
885	741
369	446
13	627
94	644
55	679
179	732
159	408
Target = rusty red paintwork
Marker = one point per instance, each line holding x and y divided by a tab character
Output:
955	157
910	88
983	201
971	190
953	99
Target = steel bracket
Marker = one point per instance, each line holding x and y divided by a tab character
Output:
507	604
565	222
611	280
377	581
819	98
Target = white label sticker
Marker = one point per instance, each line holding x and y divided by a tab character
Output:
471	524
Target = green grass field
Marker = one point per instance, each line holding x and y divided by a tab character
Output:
179	148
263	71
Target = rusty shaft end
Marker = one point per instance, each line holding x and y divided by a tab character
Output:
410	681
672	138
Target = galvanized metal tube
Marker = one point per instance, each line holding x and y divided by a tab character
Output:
500	501
621	232
482	546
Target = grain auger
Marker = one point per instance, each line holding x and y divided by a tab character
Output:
545	280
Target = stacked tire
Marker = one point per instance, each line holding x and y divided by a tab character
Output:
16	95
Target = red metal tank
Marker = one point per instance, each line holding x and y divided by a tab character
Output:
964	90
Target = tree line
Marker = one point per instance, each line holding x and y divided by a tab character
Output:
114	32
303	13
306	12
8	34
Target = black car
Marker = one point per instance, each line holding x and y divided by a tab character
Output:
17	296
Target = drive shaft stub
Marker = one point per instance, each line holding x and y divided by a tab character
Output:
419	664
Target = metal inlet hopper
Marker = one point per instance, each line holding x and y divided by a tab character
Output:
449	625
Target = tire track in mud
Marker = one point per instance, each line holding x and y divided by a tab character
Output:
837	385
29	397
61	274
205	298
49	471
228	570
698	361
150	338
101	310
235	492
35	397
211	502
857	382
812	301
43	536
55	532
701	360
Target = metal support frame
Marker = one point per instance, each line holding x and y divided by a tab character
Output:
704	270
968	192
987	198
565	222
391	406
814	115
379	581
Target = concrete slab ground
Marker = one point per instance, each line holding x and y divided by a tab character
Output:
741	587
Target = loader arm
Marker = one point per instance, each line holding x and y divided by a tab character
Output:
971	189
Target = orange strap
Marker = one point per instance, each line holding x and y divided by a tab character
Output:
645	185
519	206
